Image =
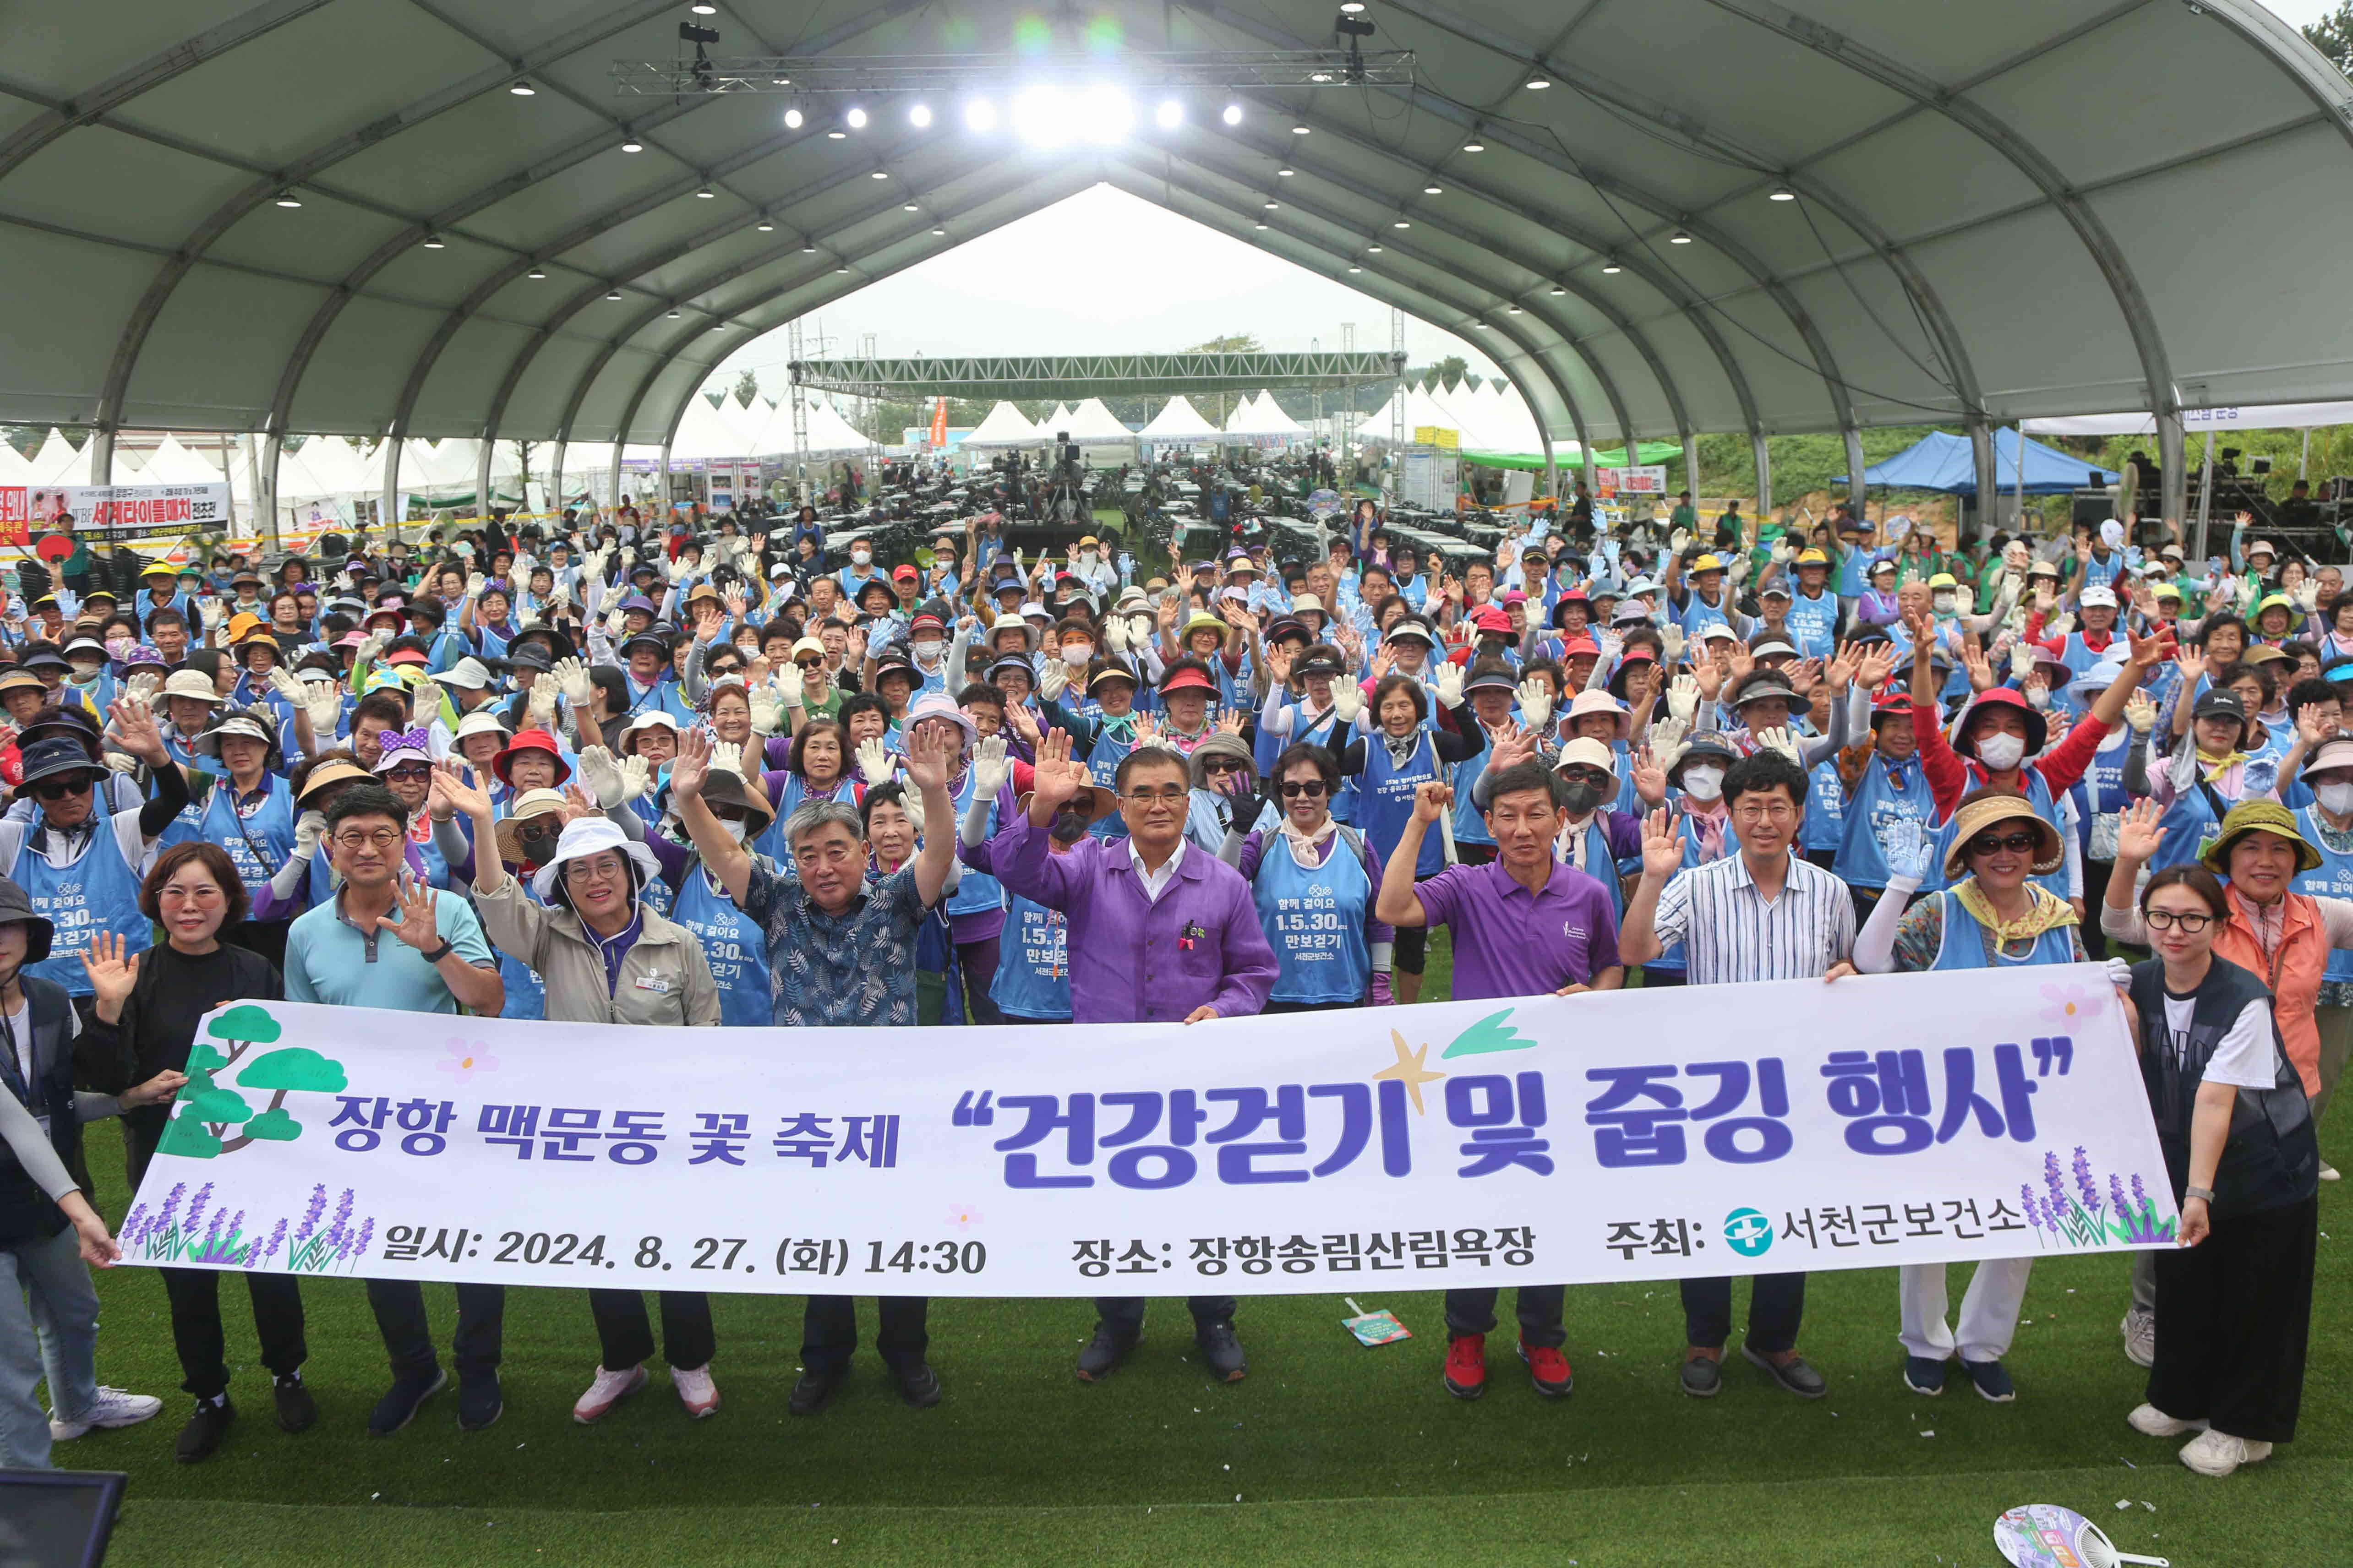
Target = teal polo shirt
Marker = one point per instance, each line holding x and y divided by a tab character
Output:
330	960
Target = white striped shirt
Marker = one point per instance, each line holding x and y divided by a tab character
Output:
1730	932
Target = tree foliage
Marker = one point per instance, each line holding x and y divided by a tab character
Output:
2333	35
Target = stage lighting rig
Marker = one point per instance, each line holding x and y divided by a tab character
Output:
1355	29
701	71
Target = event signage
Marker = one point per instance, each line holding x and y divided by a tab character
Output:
1649	480
112	512
1608	1136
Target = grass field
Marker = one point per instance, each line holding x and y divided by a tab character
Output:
1328	1452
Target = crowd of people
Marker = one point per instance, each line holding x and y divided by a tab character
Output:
645	766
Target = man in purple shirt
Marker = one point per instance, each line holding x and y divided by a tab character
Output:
1525	925
1158	934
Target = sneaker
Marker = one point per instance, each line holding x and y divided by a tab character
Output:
1547	1369
1702	1375
481	1401
2140	1330
297	1411
2150	1422
2327	1172
112	1407
695	1391
2213	1453
204	1430
1990	1381
1222	1349
1922	1375
919	1385
605	1390
1794	1376
1103	1353
398	1406
1466	1366
816	1390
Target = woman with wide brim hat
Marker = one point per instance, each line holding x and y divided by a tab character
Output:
1992	914
604	956
251	813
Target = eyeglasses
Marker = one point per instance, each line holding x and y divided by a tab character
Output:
1293	789
1597	778
409	771
590	870
1994	843
59	790
1146	797
1224	765
2167	919
381	838
1772	809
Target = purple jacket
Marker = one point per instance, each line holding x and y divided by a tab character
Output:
1134	961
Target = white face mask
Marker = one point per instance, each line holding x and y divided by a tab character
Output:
1944	602
742	829
1704	784
1076	654
928	649
2001	752
2337	798
861	557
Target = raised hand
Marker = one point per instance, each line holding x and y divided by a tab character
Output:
282	681
602	775
1451	677
873	762
418	922
135	728
1673	642
1057	776
1430	800
990	767
1651	775
572	678
112	971
2139	830
1662	846
1535	703
690	766
1907	847
1230	722
2141	713
1779	739
931	754
456	788
541	704
637	779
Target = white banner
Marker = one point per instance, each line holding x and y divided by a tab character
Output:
1648	481
1631	1135
134	508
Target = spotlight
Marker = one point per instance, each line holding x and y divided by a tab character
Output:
808	250
1513	311
719	326
1401	224
1106	115
879	174
835	135
1558	291
1433	190
780	81
855	119
1257	226
1272	203
1611	267
704	8
1040	118
1301	129
911	207
633	145
766	226
673	314
1475	146
1355	268
1350	7
1285	173
938	233
537	273
706	193
1679	237
289	199
1782	193
1232	115
1538	83
522	89
1372	250
1481	325
1170	115
791	120
433	242
614	294
920	117
839	270
980	115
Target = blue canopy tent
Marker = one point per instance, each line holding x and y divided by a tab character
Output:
1941	462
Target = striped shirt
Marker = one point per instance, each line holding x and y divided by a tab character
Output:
1731	932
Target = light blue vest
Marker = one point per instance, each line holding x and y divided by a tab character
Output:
732	944
1314	921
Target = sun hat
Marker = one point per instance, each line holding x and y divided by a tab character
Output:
1588	752
1587	704
2038	728
940	705
16	909
484	721
530	741
1498	678
468	674
191	683
1185	678
254	723
1219	745
531	803
589	835
2259	816
335	772
1975	816
2330	755
55	755
652	719
2103	598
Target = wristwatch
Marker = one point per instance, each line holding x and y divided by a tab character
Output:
444	950
2190	1193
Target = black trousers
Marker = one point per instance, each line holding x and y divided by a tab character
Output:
1125	1314
1776	1303
829	1331
2233	1313
399	1307
1825	859
195	1293
627	1337
1473	1311
2096	893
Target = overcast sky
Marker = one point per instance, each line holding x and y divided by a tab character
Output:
1128	276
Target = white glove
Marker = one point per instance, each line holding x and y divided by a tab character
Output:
2308	594
2119	973
765	714
2059	626
679	569
614	622
370	647
213	613
637	779
1450	683
1053	678
1115	635
727	758
1535	703
1666	739
144	685
344	579
989	768
325	702
2022	661
121	762
1678	539
1907	847
68	602
474	582
911	802
1682	700
1778	738
2141	713
1737	573
1783	551
308	830
571	678
601	776
788	684
1672	642
558	596
541	705
283	681
874	762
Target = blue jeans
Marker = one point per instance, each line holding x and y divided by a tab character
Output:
48	1326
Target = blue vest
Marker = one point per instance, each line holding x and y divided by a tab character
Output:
526	992
977	892
2101	791
1877	802
1102	766
1470	822
2038	796
1602	866
1314	921
1033	964
1385	804
1963	945
2188	826
734	945
770	840
1814	622
257	845
99	892
2332	879
1825	825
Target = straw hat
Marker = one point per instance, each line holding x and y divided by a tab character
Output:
530	804
2259	816
1976	815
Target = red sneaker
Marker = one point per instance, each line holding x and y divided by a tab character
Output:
1547	1369
1466	1366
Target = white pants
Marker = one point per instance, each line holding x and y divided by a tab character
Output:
1989	1311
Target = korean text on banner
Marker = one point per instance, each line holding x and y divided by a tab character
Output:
1648	481
1621	1135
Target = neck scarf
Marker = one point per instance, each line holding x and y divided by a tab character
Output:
1710	820
2217	766
2048	912
1306	847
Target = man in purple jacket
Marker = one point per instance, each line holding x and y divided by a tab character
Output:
1158	934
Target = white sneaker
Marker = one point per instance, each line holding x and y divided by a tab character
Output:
2150	1422
2139	1329
2327	1172
112	1407
695	1391
2213	1453
605	1390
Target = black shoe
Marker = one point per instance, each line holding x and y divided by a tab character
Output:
919	1385
398	1406
480	1401
1794	1376
1702	1376
1222	1349
816	1390
1104	1352
297	1411
204	1430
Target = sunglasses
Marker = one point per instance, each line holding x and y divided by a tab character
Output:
59	789
410	771
1293	789
1994	843
1593	776
1224	765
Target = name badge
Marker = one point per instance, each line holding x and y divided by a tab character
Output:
653	982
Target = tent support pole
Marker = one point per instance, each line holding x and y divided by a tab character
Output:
555	480
482	477
613	489
1690	464
2173	471
2021	476
1552	474
1764	473
392	442
265	485
2304	459
102	455
1988	474
1856	488
2205	493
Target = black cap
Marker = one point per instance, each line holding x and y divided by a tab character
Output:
2220	703
16	909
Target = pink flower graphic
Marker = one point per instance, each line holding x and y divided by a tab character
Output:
466	1059
964	1216
2074	1005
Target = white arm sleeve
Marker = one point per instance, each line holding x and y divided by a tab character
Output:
1875	946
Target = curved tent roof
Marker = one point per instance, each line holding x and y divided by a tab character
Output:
1092	425
1961	241
1004	426
1178	421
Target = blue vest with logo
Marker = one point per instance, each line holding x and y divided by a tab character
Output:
1385	804
1314	920
1963	945
2332	879
98	893
732	944
1878	801
1033	965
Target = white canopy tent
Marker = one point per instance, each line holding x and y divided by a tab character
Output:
172	464
15	468
59	462
2258	417
1058	420
1247	422
1092	427
1005	427
1275	421
1178	424
704	436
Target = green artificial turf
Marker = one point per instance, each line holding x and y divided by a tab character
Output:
1327	1453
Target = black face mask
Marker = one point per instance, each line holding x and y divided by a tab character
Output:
1069	828
1581	798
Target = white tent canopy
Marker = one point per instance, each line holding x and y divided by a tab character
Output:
1274	421
703	435
1177	423
171	464
2264	417
59	462
15	468
1005	427
1058	420
1091	424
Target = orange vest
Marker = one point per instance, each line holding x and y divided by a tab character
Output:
2293	973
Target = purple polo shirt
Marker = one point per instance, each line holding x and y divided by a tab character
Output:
1509	942
1134	961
